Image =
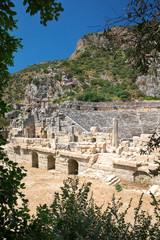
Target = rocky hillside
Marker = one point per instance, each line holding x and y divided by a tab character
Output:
94	72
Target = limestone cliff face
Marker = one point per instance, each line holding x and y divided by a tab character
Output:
97	39
92	68
150	84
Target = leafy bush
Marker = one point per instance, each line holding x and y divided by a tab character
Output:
35	81
152	98
73	215
100	82
70	93
4	122
139	94
69	75
13	219
85	54
81	79
108	97
124	95
118	187
58	78
45	70
91	97
56	100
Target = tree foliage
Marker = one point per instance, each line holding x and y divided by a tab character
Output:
14	218
49	10
139	33
153	145
74	215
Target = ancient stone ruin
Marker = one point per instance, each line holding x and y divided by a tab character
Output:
85	138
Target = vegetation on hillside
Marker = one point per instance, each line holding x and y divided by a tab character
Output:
101	74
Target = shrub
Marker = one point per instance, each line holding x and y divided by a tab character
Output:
45	70
139	94
92	96
81	79
124	95
108	97
58	78
30	80
75	216
35	81
13	217
85	86
69	75
70	93
152	98
4	122
100	82
79	97
76	88
118	187
85	54
56	100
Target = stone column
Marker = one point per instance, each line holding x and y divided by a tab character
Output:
57	124
115	133
71	133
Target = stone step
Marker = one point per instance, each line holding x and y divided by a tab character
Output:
112	180
116	182
105	176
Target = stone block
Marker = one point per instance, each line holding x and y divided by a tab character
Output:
93	149
125	144
119	150
98	150
142	158
101	145
145	137
151	158
152	166
94	129
135	141
124	162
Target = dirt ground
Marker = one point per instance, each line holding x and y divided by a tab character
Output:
41	185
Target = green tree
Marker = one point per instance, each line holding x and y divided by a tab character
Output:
152	145
13	219
138	34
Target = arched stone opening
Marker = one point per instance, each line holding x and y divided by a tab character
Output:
50	162
17	150
72	167
93	140
141	176
34	159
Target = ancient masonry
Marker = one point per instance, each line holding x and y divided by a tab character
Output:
82	138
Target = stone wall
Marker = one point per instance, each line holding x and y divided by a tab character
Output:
75	136
90	152
130	123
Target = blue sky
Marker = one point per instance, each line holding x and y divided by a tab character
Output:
58	40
